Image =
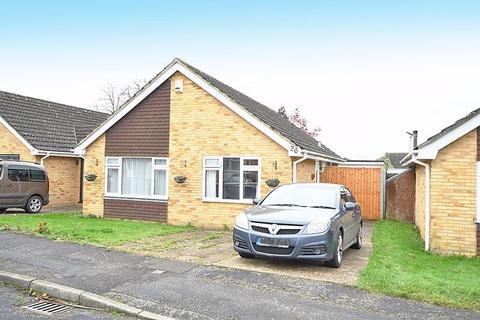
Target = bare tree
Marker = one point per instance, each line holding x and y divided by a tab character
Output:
299	121
114	96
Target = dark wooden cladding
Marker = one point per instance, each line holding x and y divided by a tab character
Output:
135	210
144	131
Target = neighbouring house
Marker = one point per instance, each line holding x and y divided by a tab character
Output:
447	187
395	167
187	148
47	132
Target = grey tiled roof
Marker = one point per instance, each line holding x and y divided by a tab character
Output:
48	126
267	115
446	130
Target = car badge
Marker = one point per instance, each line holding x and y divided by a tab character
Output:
273	228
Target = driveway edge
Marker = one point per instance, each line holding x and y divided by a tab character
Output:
80	297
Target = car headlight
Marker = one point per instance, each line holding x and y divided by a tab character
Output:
320	225
242	221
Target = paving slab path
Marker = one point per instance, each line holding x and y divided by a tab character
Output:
185	290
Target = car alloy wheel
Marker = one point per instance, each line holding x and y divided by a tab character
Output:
340	248
35	204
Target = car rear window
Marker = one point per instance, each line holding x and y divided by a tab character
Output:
37	175
18	174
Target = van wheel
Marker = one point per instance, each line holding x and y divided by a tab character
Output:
2	211
358	244
336	261
34	205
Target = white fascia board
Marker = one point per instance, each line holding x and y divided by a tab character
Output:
17	135
285	143
430	151
315	156
55	154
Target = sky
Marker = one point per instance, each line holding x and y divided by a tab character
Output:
364	71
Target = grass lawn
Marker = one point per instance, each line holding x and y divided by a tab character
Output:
74	227
398	266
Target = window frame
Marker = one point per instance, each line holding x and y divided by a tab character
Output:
119	166
243	167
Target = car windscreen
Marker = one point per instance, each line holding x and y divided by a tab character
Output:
316	196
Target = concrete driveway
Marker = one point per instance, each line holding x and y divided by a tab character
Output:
215	248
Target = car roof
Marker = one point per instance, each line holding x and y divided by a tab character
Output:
22	163
315	185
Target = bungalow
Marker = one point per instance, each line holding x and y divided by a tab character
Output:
42	131
447	192
188	148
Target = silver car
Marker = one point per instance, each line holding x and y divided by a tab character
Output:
310	221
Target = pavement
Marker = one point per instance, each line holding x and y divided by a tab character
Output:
12	302
215	248
184	290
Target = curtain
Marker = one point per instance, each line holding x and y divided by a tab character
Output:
211	183
112	183
160	183
136	177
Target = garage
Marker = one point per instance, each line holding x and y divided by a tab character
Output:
366	180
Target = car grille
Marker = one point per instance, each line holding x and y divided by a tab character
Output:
283	229
274	250
308	250
240	243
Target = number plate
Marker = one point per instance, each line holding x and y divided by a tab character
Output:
269	242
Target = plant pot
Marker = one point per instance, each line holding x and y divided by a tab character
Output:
180	179
91	177
272	183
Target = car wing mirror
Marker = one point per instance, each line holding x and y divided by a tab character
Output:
256	201
349	206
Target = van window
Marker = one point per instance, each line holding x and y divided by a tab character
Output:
18	174
1	170
37	175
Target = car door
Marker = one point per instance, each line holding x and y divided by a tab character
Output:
350	231
16	185
357	212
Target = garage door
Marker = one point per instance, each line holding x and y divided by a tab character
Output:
367	185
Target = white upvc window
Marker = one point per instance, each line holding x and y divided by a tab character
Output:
231	179
136	177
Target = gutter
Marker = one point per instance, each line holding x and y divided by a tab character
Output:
427	198
45	157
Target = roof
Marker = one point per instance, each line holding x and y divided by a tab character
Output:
253	108
429	149
267	115
46	125
395	158
450	128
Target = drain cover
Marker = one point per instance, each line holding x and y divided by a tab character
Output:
46	307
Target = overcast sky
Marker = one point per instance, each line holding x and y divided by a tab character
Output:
364	71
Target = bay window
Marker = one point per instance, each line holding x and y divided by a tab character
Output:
231	178
132	177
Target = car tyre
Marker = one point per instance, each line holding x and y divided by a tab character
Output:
34	204
246	255
2	211
336	261
358	244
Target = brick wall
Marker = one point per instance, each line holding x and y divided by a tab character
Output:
93	190
201	126
9	144
453	197
64	176
305	170
400	191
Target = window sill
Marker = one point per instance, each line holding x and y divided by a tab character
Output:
245	201
162	199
